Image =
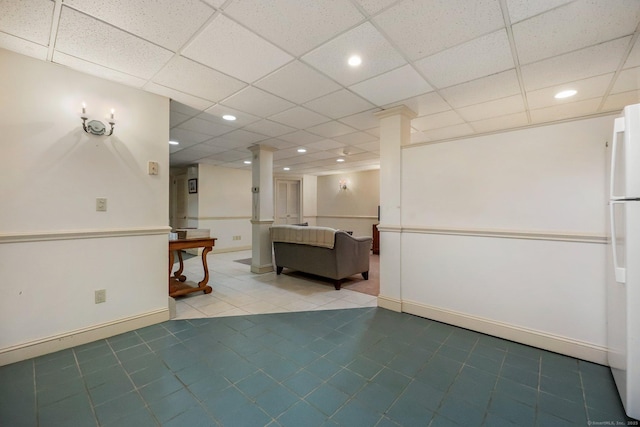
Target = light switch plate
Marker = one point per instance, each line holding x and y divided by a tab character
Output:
153	168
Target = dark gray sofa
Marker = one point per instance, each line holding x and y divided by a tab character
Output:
322	251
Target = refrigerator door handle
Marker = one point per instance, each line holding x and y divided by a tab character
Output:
621	272
618	127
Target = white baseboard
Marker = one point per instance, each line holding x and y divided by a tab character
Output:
557	344
230	249
260	269
389	303
55	343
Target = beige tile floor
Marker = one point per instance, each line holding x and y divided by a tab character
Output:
237	291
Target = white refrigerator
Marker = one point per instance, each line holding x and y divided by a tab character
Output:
623	281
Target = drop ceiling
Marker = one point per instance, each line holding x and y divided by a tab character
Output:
280	66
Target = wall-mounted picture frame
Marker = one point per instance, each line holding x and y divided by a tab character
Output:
193	185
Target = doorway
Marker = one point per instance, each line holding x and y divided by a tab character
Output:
288	201
179	202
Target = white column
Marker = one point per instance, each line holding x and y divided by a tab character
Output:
395	131
262	211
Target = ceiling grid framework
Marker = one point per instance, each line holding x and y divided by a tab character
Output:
280	67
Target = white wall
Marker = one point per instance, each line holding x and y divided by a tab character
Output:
224	206
310	199
55	249
354	209
505	234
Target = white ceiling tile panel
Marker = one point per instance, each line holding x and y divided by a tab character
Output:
168	23
498	123
308	23
455	131
257	102
205	127
574	26
203	150
215	3
378	55
97	70
269	128
484	89
523	9
301	137
277	143
230	156
326	144
27	19
216	112
186	156
424	27
245	137
222	143
634	56
176	118
339	104
499	107
435	121
592	61
203	82
183	109
401	83
374	6
84	37
184	98
370	146
417	137
423	105
362	121
236	51
587	89
289	154
348	151
565	111
297	83
207	161
299	117
186	137
479	57
618	101
355	138
627	80
331	129
23	47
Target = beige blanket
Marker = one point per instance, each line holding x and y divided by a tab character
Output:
314	236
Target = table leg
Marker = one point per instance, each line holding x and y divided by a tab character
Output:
205	280
178	274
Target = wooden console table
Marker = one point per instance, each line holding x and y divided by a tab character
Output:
176	285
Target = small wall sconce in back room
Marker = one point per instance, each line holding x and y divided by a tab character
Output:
343	184
96	127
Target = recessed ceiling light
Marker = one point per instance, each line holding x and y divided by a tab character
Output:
354	60
174	142
247	162
229	117
302	150
565	94
340	160
286	169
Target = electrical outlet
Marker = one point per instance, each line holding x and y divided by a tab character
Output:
101	204
153	168
101	296
237	237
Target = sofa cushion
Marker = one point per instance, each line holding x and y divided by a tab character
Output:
323	237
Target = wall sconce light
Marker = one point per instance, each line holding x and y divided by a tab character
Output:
96	127
343	184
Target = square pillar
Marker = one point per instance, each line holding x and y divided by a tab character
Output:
395	131
262	208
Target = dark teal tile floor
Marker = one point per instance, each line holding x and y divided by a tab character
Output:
357	367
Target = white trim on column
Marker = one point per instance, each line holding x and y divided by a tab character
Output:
390	303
